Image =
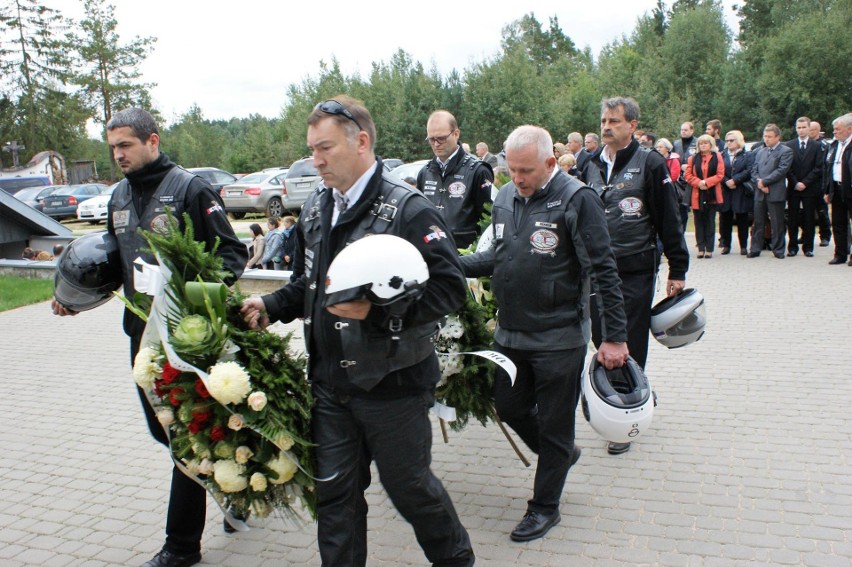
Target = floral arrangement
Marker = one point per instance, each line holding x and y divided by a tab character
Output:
235	404
467	381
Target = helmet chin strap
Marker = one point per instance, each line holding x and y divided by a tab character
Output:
400	305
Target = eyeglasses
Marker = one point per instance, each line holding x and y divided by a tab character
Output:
336	108
729	141
432	140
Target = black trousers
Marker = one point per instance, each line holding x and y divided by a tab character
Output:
638	292
350	432
541	407
726	226
705	227
841	213
187	499
823	219
808	206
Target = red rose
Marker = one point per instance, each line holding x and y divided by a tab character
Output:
174	396
170	373
194	427
217	433
158	388
202	415
201	389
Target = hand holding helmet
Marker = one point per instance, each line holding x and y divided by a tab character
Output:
380	269
87	274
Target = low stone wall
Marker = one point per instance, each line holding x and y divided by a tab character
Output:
253	282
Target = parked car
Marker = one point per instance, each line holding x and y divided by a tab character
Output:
259	192
218	178
391	163
12	185
301	179
63	202
34	196
409	169
94	210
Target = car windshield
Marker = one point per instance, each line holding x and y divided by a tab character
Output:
63	190
302	168
253	178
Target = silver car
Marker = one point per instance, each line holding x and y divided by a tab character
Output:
259	192
300	181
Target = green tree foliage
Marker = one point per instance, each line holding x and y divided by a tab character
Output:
400	98
194	141
806	69
106	71
33	71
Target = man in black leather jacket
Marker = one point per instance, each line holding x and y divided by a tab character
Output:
373	382
550	237
457	183
641	207
151	183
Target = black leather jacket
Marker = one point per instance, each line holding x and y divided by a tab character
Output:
366	357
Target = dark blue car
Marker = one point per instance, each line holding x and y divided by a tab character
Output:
63	202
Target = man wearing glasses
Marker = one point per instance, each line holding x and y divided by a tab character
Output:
373	368
458	184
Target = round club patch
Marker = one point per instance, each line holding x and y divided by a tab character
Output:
456	189
631	207
544	241
160	224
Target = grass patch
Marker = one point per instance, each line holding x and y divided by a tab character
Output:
17	292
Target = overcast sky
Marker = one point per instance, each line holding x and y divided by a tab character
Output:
234	59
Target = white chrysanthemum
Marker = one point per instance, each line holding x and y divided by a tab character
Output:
228	383
145	368
284	465
258	482
229	476
166	417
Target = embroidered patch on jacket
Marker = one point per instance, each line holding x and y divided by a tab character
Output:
215	207
120	218
167	198
630	207
160	224
552	204
436	234
498	231
628	175
544	242
456	189
634	170
540	224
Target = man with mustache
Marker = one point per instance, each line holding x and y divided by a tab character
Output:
641	208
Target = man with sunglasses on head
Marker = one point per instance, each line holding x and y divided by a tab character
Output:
457	183
373	368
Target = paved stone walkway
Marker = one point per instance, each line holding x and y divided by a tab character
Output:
747	462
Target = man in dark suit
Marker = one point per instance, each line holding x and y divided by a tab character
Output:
485	155
838	175
803	190
769	173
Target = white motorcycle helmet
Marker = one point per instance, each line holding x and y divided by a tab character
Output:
381	268
679	320
617	403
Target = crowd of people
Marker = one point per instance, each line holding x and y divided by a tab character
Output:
575	247
776	193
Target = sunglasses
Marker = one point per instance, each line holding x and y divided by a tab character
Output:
337	109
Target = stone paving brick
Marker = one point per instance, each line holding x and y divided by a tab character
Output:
739	468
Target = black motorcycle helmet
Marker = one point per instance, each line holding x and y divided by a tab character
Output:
88	272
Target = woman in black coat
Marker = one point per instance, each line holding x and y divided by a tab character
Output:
738	193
